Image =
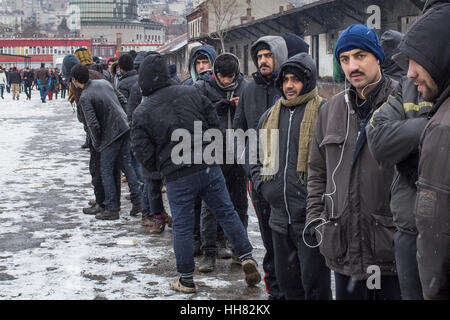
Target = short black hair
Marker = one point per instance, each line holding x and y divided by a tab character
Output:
226	65
201	56
80	73
126	62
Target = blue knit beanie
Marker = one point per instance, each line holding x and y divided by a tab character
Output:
359	36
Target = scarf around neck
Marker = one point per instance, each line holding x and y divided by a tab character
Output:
270	148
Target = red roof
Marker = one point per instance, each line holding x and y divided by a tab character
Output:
46	42
34	57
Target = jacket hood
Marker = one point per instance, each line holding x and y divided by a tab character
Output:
153	74
208	51
139	58
277	46
69	62
390	40
432	3
306	66
427	43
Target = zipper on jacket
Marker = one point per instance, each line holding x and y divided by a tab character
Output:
286	164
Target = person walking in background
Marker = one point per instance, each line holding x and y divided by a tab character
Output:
28	80
43	80
3	81
15	81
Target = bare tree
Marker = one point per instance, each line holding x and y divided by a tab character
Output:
224	12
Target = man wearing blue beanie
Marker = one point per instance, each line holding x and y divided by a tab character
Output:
348	193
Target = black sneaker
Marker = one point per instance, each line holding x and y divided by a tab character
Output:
208	263
107	215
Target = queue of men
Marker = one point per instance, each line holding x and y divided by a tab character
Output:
356	185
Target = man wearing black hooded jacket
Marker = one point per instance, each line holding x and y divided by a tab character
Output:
426	45
301	270
166	111
268	53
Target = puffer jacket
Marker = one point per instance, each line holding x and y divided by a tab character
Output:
102	107
14	77
393	138
127	81
359	229
165	108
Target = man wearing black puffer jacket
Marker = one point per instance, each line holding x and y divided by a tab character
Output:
167	113
300	270
223	86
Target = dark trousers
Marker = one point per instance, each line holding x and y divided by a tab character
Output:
209	185
211	233
301	271
405	245
262	210
2	88
27	89
197	213
349	289
118	150
94	170
63	92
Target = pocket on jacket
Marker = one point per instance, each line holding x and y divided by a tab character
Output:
431	209
382	238
334	239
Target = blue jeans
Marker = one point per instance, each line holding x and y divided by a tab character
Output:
210	185
118	150
137	168
44	90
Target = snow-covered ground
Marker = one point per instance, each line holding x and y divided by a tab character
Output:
50	250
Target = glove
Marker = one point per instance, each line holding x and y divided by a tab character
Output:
310	233
222	106
409	168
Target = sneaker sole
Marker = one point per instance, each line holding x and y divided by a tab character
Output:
252	275
206	269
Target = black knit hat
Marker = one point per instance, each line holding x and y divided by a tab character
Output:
295	44
260	46
126	62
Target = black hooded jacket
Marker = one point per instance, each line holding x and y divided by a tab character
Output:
285	194
390	40
165	108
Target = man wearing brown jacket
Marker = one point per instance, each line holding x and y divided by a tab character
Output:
348	194
427	46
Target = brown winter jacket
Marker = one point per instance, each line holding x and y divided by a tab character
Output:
433	203
43	75
360	228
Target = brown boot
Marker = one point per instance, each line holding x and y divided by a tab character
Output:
168	219
159	224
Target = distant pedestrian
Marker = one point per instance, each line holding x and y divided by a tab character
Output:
15	81
3	81
28	80
43	80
